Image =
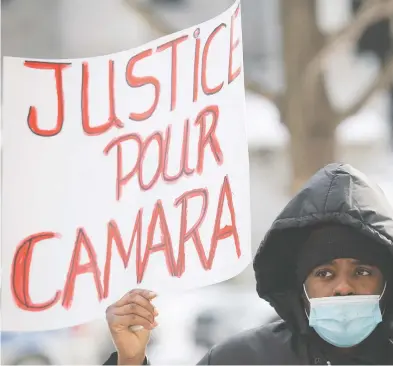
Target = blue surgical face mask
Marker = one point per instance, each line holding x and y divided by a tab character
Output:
345	321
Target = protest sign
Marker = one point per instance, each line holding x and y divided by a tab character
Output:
122	171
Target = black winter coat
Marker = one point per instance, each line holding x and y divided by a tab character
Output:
336	194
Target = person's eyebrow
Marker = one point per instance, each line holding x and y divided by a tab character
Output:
330	263
360	262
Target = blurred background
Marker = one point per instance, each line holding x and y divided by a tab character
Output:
319	79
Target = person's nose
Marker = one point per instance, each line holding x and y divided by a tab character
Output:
343	288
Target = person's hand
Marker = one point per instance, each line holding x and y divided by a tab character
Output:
134	310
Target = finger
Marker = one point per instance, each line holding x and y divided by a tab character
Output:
134	320
148	295
141	301
136	328
136	309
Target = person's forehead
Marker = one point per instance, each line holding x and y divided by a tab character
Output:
347	261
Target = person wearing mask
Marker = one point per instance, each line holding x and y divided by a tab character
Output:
325	265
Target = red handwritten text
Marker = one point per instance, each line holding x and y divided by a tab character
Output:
20	279
134	80
207	137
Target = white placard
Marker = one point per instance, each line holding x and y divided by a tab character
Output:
123	171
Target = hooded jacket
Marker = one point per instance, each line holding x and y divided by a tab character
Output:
339	194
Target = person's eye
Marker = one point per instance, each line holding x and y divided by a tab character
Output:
323	273
363	272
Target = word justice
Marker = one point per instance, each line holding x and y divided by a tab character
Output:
20	276
200	81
